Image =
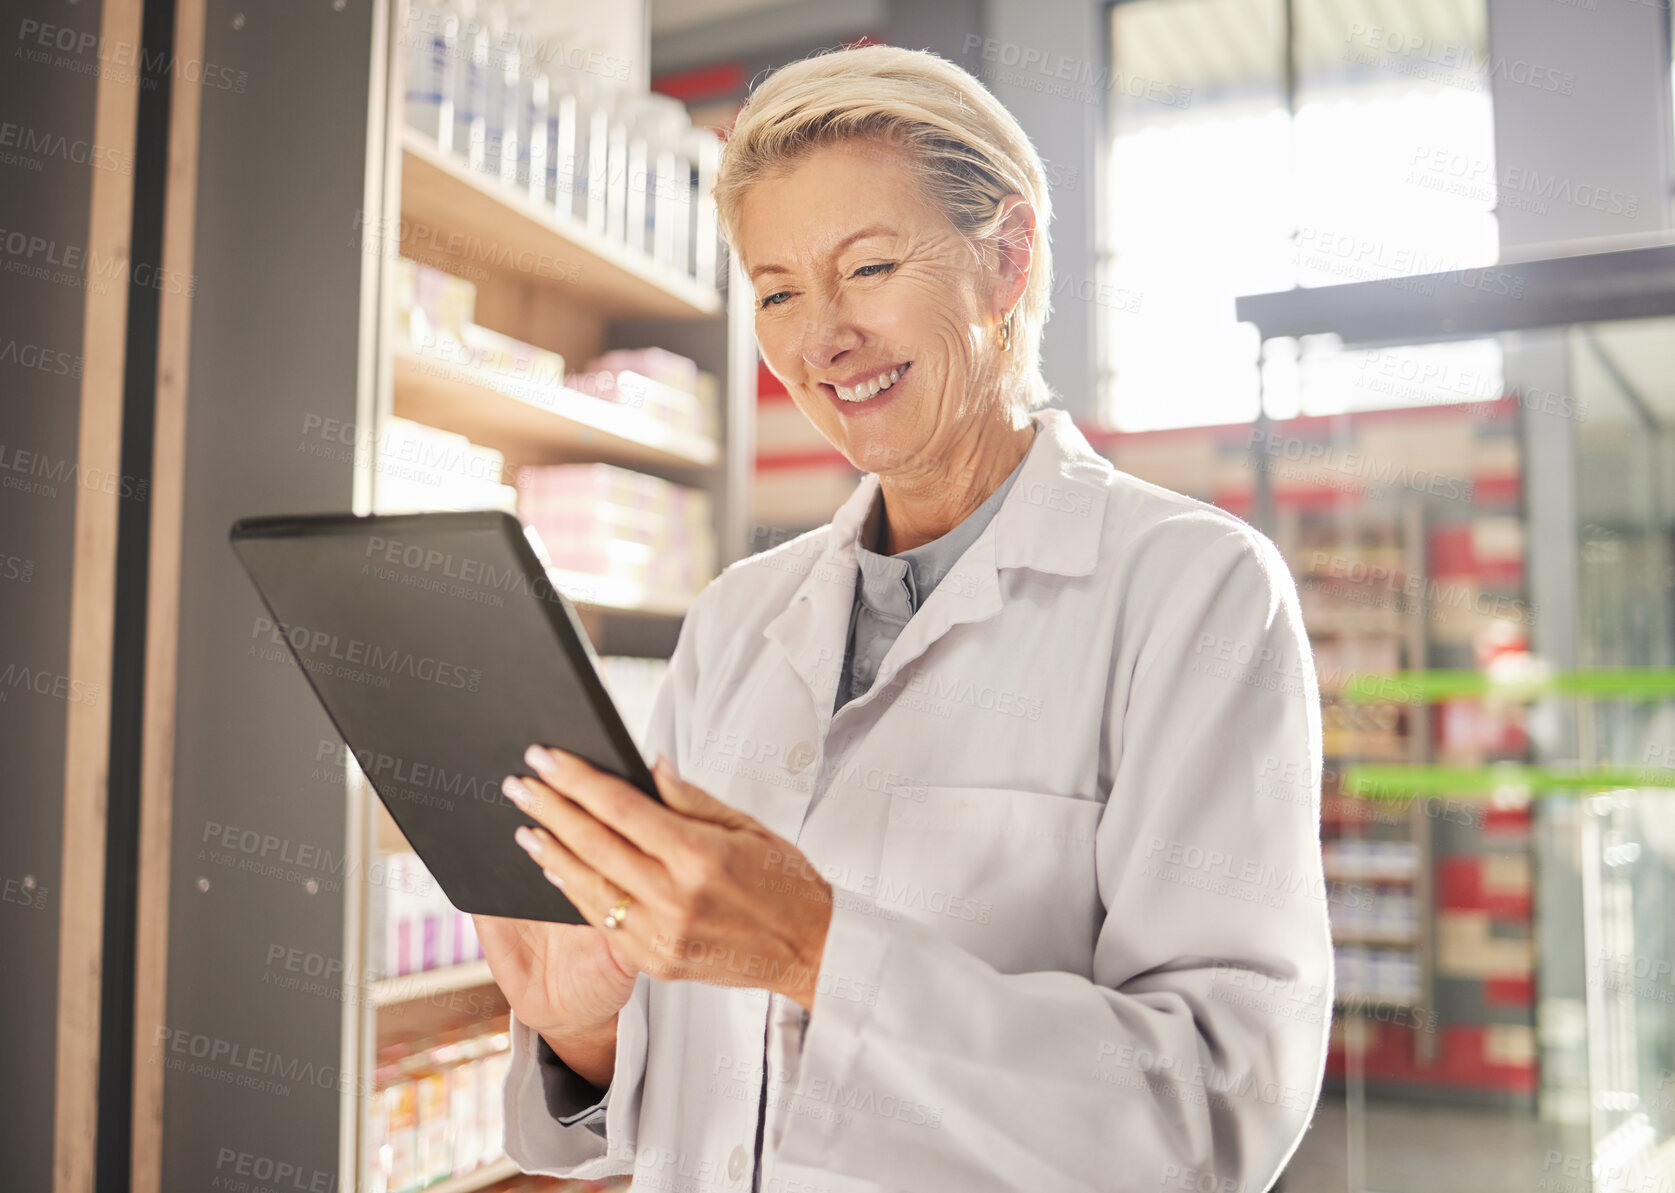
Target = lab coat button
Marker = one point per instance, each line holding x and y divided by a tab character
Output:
800	756
736	1163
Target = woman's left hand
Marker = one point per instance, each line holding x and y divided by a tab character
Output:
714	896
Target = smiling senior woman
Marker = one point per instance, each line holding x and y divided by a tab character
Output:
990	852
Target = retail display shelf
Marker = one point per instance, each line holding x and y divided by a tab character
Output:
489	224
550	425
478	1178
1340	872
618	596
1533	683
1388	939
412	986
1392	782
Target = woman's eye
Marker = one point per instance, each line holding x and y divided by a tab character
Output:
885	265
769	300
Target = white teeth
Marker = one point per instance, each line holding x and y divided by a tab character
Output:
867	389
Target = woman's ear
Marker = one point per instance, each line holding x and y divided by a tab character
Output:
1016	244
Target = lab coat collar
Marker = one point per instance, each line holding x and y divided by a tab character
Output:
1050	521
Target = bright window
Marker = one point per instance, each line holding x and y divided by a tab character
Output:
1380	163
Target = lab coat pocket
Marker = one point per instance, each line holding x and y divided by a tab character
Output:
1006	874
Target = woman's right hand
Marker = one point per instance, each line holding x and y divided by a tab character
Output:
562	980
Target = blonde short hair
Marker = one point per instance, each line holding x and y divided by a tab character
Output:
967	152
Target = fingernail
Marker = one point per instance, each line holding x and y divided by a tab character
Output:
515	790
538	757
525	837
554	879
662	765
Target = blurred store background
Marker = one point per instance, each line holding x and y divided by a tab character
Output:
1394	280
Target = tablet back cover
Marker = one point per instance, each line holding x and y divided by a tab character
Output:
440	652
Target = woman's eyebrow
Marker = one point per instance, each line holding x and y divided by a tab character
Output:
872	230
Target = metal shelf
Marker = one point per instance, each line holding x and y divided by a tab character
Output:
1629	283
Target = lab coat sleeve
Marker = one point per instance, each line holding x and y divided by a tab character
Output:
551	1125
571	1099
1193	1057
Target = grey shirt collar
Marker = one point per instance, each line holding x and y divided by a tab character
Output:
894	586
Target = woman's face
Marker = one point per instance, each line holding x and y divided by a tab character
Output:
858	278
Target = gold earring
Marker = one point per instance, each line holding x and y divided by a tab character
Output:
1006	333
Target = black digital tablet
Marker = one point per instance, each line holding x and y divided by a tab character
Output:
441	651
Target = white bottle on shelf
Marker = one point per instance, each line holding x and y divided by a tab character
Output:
706	230
617	108
471	97
500	144
593	139
669	184
563	142
432	40
534	134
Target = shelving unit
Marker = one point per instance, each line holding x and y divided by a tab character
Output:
488	223
389	991
543	278
1346	625
539	427
1467	1031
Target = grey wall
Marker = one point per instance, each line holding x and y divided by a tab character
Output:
259	821
1066	122
46	176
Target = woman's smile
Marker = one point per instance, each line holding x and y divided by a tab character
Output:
866	391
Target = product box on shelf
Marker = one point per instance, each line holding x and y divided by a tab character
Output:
437	1108
664	386
659	364
431	303
412	928
423	468
621	526
519	368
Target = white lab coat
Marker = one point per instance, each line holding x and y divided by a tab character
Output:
1081	936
